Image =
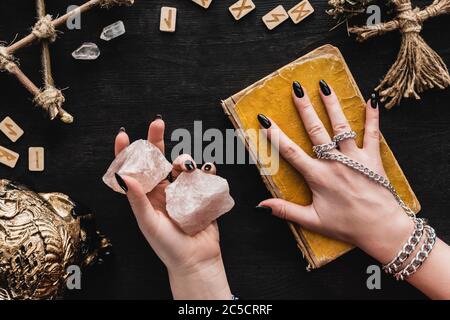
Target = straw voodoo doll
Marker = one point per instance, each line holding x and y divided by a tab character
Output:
49	98
418	67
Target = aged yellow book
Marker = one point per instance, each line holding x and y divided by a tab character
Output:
272	97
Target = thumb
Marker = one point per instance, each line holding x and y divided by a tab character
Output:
305	216
142	208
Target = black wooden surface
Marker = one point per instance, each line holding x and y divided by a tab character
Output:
184	76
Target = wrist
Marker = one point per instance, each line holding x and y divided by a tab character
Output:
387	238
206	280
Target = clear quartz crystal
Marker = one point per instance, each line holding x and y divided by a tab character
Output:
142	161
113	31
87	51
196	199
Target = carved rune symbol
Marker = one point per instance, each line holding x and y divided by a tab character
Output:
168	20
244	6
300	10
10	128
276	17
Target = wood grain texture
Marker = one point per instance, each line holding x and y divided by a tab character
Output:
301	11
184	76
241	8
36	159
11	129
168	20
275	17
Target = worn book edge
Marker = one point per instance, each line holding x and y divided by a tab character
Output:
228	106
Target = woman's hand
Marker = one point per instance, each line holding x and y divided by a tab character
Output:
194	263
346	204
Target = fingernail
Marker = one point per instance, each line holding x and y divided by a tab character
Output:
298	90
122	129
263	209
158	116
208	167
374	100
264	121
170	177
324	88
189	165
121	183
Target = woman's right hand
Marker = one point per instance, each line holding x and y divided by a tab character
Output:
346	204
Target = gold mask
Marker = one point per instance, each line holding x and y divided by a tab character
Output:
40	236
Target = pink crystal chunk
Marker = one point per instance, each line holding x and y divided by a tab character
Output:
196	199
142	161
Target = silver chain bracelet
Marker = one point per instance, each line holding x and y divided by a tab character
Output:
323	151
409	247
420	257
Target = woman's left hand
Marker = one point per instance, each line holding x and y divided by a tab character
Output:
194	263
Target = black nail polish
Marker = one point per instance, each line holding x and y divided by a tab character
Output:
298	90
324	88
158	116
208	167
122	129
374	100
169	177
121	183
263	209
264	121
189	165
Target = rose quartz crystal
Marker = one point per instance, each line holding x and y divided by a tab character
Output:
196	199
142	161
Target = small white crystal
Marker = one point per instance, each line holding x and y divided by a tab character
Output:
87	51
113	31
196	199
142	161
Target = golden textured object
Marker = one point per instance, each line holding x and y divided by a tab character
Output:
40	236
272	97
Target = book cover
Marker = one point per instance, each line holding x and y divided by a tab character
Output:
272	97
